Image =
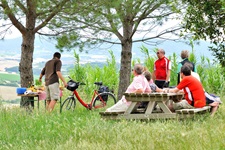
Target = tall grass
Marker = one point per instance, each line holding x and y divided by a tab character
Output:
88	74
84	129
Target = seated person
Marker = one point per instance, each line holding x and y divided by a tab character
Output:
211	99
193	90
153	86
139	85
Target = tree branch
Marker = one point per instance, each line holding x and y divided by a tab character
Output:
12	17
53	13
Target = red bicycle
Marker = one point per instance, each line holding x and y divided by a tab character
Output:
102	98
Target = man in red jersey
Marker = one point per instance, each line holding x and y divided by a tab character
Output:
162	68
193	90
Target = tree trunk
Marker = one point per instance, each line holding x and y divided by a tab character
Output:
125	67
25	66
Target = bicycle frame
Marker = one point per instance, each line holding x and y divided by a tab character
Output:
87	105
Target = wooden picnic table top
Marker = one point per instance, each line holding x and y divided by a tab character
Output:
140	97
28	95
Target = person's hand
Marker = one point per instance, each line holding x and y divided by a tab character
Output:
166	84
65	84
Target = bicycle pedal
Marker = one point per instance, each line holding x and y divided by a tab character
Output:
89	106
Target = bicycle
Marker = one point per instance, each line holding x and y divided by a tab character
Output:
99	100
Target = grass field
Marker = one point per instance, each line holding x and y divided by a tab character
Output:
9	77
84	129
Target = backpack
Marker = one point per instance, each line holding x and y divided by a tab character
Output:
103	89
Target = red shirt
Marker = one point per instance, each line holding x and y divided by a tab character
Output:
193	90
161	66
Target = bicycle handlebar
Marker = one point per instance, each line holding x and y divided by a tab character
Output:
81	83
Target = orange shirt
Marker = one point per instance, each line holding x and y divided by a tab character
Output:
193	90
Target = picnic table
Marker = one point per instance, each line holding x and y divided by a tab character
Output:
156	108
39	96
150	112
31	98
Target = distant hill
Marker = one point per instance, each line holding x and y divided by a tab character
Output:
11	50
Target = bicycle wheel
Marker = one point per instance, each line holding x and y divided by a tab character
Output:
104	101
68	104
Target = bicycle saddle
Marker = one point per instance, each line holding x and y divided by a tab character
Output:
98	83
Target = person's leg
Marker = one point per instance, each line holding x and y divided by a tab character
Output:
54	94
47	104
51	105
159	83
120	106
183	104
215	106
48	98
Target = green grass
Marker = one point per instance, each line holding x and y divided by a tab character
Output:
84	129
9	77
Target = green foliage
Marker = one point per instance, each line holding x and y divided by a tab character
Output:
205	19
88	74
173	72
212	76
149	60
9	79
37	82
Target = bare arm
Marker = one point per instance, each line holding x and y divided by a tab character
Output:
175	90
41	75
61	78
139	91
168	75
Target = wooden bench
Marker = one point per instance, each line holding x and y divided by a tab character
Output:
110	115
189	113
153	99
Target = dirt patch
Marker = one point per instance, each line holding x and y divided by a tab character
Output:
8	93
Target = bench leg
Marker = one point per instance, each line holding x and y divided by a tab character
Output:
130	108
164	107
150	107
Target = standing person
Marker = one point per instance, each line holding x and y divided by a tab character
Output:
184	55
162	68
52	72
138	85
193	90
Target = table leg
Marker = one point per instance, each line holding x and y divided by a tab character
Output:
150	107
130	108
38	102
163	106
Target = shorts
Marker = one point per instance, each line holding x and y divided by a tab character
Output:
183	104
52	92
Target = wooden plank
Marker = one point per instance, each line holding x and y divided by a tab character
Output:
131	108
164	107
110	113
150	107
193	111
148	116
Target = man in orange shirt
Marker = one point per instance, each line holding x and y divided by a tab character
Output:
193	90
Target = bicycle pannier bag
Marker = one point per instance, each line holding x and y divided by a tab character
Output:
71	85
103	89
